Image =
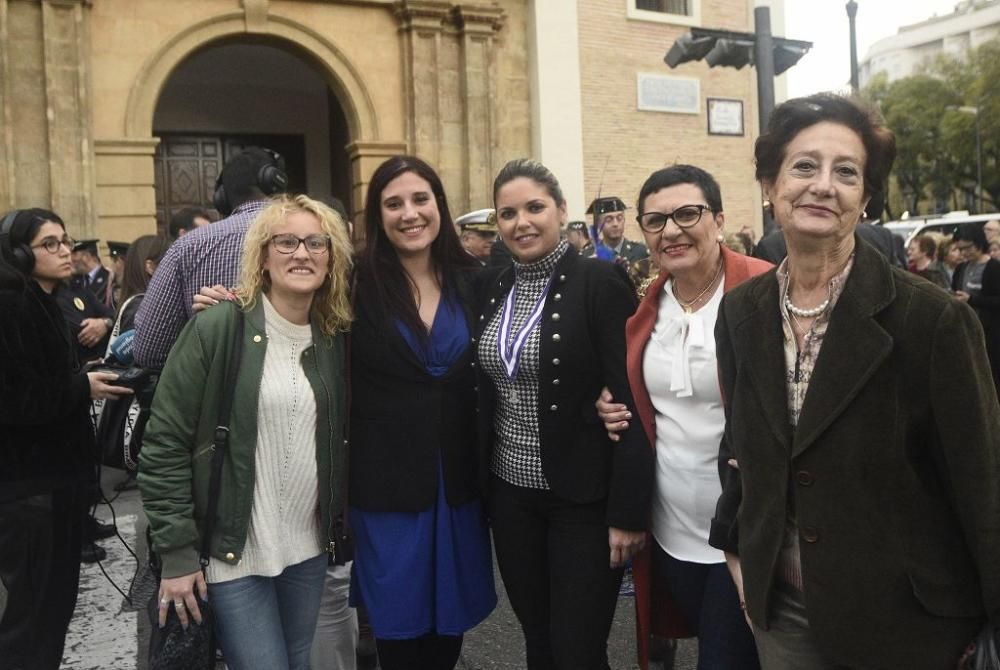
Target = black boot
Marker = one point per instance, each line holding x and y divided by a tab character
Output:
91	553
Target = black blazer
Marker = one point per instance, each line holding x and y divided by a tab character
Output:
582	349
987	306
404	422
893	470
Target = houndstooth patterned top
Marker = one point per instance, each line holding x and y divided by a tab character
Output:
517	456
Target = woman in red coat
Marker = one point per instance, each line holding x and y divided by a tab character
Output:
682	584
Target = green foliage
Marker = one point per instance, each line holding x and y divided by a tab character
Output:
935	137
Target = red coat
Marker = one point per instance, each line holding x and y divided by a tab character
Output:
664	619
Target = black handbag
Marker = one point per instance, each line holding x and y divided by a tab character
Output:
121	420
172	647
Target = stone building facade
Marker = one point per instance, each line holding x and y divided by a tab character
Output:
117	112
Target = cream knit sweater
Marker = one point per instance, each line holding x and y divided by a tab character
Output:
284	519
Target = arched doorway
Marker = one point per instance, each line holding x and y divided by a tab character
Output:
242	91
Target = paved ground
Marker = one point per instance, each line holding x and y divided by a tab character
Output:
104	635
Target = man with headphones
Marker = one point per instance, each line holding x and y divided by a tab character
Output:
208	255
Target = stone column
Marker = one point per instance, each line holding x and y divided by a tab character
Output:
421	23
47	152
478	26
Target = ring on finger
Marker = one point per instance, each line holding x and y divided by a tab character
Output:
164	601
178	603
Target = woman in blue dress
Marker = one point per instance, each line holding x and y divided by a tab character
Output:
423	564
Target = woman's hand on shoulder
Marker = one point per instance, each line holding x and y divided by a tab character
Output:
614	415
209	296
178	592
102	386
624	544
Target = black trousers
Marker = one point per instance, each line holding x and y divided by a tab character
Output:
40	567
554	559
427	652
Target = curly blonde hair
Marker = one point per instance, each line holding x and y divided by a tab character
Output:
331	307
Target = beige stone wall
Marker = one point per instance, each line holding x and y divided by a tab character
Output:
46	157
613	49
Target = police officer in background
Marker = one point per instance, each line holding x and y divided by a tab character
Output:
478	231
89	274
89	319
117	251
609	222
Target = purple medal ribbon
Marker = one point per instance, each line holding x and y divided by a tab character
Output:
510	353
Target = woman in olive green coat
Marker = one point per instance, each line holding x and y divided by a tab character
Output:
283	479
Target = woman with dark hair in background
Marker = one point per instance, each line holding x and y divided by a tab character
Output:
921	254
47	455
422	564
141	259
568	507
977	283
861	455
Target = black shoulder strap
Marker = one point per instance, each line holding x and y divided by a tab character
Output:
221	442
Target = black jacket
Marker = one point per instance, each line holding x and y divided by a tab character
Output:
893	470
46	439
404	422
987	306
582	350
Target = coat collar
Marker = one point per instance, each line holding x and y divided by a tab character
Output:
854	347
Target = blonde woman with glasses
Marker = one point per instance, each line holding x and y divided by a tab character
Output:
282	488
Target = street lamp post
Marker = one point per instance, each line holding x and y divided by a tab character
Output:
968	109
852	11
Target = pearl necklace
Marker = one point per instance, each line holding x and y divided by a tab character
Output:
689	305
806	313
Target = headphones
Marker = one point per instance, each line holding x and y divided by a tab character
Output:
271	179
20	256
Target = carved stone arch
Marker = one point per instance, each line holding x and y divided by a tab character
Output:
343	78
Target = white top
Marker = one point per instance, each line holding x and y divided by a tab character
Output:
681	374
284	519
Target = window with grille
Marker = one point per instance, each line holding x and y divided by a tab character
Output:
681	7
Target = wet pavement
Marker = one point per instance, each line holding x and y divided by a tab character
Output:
106	635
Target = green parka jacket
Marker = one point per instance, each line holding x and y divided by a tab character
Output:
174	464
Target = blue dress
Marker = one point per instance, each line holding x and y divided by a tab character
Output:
432	571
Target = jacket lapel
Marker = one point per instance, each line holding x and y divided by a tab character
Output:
759	338
854	347
638	330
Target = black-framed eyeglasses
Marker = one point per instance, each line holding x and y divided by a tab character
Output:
52	244
286	243
685	217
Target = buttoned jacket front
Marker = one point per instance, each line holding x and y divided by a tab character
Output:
582	349
893	471
407	426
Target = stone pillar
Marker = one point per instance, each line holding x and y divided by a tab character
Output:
47	150
478	26
556	98
449	69
421	23
365	158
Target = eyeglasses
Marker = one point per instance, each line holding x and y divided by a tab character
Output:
684	217
287	243
52	244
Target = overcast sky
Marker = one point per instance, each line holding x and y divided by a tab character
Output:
825	24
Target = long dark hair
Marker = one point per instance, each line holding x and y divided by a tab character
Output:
145	248
379	261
